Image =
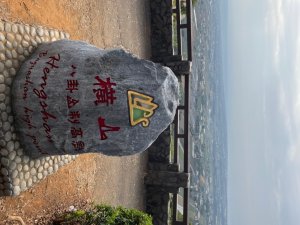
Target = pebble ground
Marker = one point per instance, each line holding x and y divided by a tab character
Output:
17	171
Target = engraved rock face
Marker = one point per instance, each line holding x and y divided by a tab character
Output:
70	97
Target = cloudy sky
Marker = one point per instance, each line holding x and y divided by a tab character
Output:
263	110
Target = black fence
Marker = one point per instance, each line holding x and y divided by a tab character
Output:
172	46
178	134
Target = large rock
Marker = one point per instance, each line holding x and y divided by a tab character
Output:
70	97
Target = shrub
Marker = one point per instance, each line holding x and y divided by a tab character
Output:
107	215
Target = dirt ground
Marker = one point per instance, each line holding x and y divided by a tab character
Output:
91	177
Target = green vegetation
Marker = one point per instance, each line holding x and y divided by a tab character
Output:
172	143
194	2
107	215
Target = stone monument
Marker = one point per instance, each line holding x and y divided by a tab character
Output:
70	97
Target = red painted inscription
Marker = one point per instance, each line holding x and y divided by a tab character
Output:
105	92
104	128
52	63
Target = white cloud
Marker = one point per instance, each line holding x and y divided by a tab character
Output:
278	100
274	26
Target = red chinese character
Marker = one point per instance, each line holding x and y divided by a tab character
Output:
104	94
74	117
73	72
72	85
78	145
104	128
76	132
71	102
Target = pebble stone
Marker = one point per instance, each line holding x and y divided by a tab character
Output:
4	172
40	31
40	176
23	185
14	174
12	155
7	27
7	136
29	182
25	44
18	172
8	82
10	37
26	159
50	170
2	88
14	54
4	116
31	163
17	145
8	45
16	190
2	37
1	65
8	192
46	165
10	146
2	106
15	44
27	175
33	171
6	126
8	63
12	165
21	29
12	72
19	152
21	58
4	152
25	167
27	29
2	57
18	159
37	163
18	37
40	169
4	161
19	167
2	143
15	66
8	54
33	31
26	37
14	28
38	40
1	26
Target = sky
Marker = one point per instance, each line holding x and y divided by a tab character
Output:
263	112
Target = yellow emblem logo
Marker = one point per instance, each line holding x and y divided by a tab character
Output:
141	108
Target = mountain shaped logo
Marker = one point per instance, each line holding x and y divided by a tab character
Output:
141	108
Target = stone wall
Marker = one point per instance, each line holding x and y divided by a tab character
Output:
162	179
161	29
157	197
